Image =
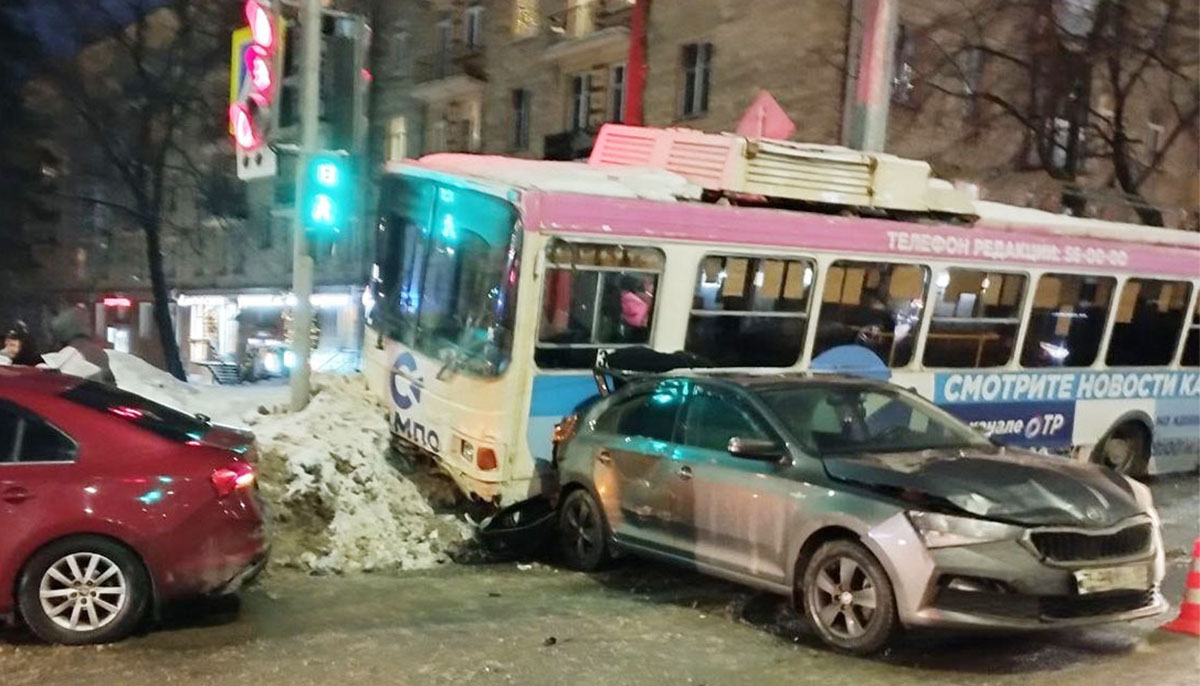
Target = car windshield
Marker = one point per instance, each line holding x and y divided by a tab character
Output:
839	419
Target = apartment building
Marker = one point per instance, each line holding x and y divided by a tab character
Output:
537	78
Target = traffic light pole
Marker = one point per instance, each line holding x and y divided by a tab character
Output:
302	261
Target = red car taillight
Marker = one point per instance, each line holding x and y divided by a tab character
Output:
226	480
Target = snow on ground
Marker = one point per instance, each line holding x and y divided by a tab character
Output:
337	504
224	404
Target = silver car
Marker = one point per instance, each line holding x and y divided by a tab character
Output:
870	507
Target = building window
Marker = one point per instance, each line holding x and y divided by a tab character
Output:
697	74
976	315
1154	138
970	66
397	139
1067	320
875	305
400	55
473	26
521	99
1150	316
750	311
596	296
527	18
439	136
903	74
443	36
581	101
616	89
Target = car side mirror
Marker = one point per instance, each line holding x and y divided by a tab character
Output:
756	449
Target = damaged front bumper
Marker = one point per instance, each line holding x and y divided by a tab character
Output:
1007	585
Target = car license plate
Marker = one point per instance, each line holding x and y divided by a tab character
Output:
1102	579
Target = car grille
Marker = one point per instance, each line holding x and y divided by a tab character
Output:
1098	604
1020	606
1078	546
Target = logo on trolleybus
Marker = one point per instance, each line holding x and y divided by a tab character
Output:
405	384
406	393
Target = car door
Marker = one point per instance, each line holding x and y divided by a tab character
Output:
729	511
633	439
36	460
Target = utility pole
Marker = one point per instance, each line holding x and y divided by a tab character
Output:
637	64
869	74
302	260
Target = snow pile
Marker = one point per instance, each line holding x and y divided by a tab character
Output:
338	504
139	376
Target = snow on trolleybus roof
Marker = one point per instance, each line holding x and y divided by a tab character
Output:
503	173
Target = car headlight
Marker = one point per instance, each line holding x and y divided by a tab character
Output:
943	531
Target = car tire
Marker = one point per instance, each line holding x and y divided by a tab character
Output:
83	589
582	532
846	596
1126	449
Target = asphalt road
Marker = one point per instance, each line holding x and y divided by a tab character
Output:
640	623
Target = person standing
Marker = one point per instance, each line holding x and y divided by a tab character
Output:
71	334
19	348
637	301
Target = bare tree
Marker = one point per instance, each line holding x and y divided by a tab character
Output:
1081	77
144	97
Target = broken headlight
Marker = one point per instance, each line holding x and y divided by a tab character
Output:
943	531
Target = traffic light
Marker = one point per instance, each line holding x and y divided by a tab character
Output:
254	71
328	193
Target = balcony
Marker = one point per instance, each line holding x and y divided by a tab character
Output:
569	145
583	18
457	71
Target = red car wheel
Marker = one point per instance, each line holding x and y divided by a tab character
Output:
83	589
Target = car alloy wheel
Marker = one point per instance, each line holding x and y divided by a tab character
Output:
844	598
83	592
846	595
582	532
83	589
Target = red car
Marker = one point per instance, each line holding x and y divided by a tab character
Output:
111	504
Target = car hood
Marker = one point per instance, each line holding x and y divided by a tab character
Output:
1007	485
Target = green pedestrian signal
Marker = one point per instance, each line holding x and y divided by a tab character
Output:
329	193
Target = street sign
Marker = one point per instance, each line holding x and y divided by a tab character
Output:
253	85
259	163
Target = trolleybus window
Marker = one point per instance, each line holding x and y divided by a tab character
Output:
1150	315
750	311
976	315
596	296
1067	320
873	304
1191	346
449	272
